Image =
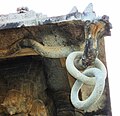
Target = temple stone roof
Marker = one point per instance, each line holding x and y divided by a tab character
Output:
31	18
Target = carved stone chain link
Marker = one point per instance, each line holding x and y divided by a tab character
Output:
99	75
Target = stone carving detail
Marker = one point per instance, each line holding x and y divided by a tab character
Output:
29	90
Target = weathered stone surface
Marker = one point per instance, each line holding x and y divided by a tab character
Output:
25	76
59	87
58	34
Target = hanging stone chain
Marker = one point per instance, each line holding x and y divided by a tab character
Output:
92	76
82	60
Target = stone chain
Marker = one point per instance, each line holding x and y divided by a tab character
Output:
91	76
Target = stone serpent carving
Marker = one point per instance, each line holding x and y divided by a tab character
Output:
85	78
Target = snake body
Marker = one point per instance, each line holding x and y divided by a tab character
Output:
92	76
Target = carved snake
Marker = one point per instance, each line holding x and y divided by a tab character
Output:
85	78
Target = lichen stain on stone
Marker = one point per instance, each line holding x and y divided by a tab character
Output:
69	30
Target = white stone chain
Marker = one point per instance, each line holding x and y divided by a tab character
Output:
92	76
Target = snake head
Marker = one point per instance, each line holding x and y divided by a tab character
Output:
108	25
